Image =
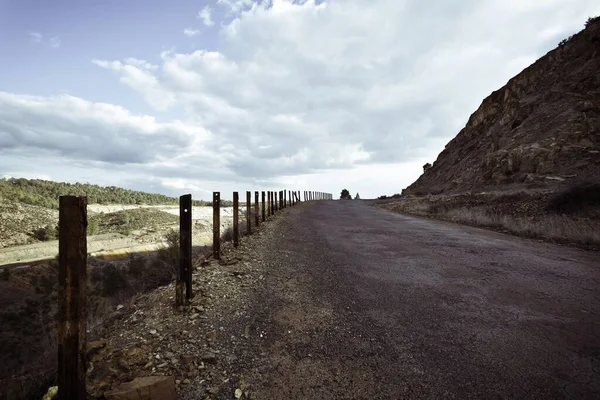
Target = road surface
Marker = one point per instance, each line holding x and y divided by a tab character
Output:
362	303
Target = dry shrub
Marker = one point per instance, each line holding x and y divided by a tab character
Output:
576	198
554	227
227	235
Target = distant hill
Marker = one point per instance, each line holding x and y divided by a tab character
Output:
540	130
43	193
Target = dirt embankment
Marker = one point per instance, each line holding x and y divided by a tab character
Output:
123	229
568	216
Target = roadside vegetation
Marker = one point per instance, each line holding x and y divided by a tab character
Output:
569	216
126	221
42	193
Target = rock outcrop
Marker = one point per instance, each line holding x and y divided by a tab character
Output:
541	129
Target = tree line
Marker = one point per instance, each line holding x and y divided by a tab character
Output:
44	193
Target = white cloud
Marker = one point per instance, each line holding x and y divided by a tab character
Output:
234	7
35	37
205	16
55	42
191	32
330	92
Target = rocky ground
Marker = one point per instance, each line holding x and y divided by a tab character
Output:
195	343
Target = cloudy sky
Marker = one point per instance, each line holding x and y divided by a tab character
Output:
194	96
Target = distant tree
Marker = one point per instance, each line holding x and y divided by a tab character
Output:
345	195
591	20
357	197
426	167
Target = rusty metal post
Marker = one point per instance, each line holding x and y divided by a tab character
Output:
185	243
248	208
276	203
72	264
262	193
216	225
285	199
270	204
256	212
236	217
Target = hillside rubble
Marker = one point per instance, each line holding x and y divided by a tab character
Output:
148	336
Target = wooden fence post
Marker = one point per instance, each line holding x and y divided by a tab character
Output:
72	262
270	203
236	217
263	205
248	208
256	211
185	244
216	225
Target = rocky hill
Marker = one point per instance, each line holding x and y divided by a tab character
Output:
541	129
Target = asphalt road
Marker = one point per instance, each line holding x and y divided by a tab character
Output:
362	303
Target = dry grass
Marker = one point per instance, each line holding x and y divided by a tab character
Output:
569	216
552	227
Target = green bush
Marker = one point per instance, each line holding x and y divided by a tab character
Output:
48	232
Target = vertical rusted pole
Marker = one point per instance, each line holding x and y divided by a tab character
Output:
270	203
72	262
262	193
276	202
248	208
285	198
216	225
185	243
236	217
256	212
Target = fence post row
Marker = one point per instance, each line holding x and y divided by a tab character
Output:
185	243
72	265
256	212
216	225
236	219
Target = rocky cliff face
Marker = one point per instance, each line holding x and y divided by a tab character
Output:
542	128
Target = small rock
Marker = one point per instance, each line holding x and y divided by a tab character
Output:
209	358
153	332
212	390
94	347
168	354
186	381
238	393
149	388
177	381
187	359
211	336
123	365
194	316
162	365
120	306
